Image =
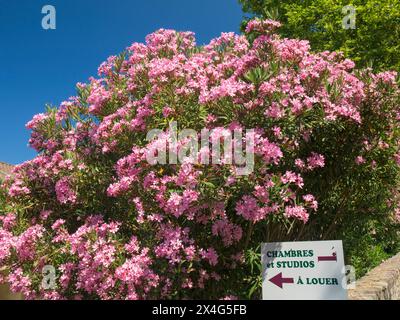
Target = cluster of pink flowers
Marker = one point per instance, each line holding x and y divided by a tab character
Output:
64	192
116	226
298	212
262	25
18	188
229	232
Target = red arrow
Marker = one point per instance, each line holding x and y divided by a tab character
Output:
278	280
328	258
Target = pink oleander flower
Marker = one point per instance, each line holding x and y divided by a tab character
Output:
25	244
36	121
166	111
229	232
310	200
210	255
8	220
231	297
360	160
249	209
300	164
64	192
44	214
7	242
56	225
397	158
297	212
315	160
397	214
262	25
20	283
291	177
18	189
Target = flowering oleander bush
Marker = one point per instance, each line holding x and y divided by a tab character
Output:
114	226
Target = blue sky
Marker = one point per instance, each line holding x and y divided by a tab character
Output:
40	66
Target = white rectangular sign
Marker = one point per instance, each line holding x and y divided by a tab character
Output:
307	270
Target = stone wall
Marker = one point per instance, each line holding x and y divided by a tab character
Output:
5	294
381	283
5	169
